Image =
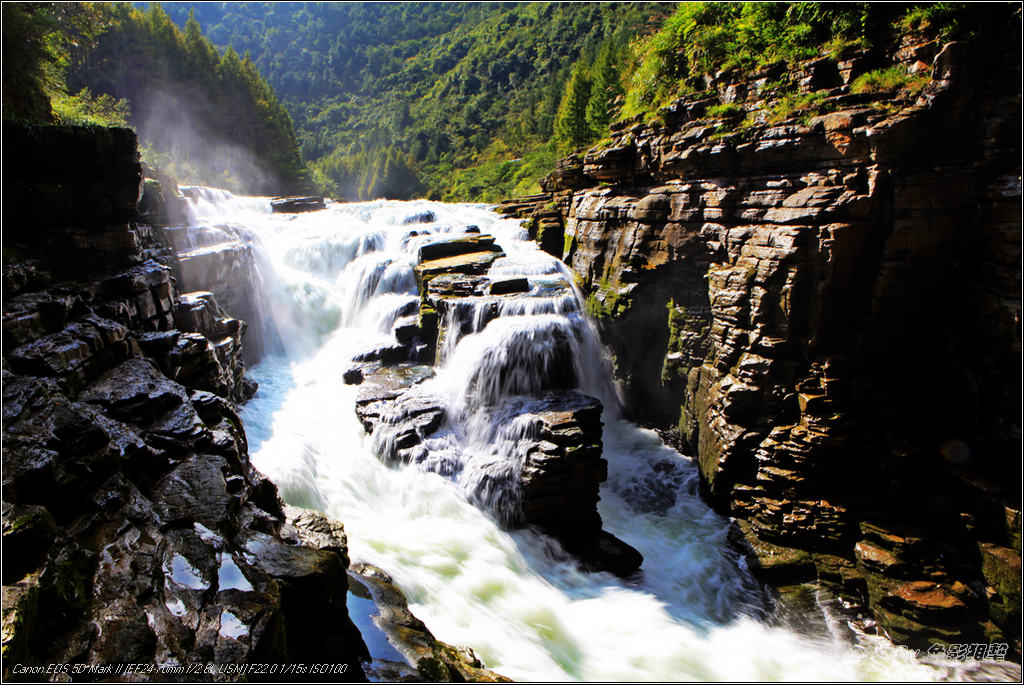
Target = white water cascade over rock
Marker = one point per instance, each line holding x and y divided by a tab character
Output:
438	492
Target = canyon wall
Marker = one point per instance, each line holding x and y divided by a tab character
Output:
825	312
135	528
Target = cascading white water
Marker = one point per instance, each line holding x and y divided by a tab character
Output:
515	597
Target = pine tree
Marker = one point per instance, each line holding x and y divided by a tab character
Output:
202	55
571	128
607	87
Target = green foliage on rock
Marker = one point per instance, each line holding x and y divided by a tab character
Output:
702	39
887	80
498	175
85	108
38	39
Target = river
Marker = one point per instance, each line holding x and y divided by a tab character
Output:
332	284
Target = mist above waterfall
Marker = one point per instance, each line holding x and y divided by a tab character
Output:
175	135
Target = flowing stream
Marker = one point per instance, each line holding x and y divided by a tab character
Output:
332	284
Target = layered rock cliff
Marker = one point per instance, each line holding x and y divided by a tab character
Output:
135	529
825	312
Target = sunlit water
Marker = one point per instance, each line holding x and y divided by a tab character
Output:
336	280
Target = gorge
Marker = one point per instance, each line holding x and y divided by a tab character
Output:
736	396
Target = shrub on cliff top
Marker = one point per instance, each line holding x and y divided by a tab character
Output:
888	80
705	38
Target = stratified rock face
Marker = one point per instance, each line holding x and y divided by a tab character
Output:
135	528
221	260
835	305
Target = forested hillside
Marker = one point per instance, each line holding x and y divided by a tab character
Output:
205	113
452	100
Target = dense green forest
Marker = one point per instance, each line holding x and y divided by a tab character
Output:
475	101
450	100
201	113
456	101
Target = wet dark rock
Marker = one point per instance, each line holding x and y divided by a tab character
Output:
313	589
398	420
161	203
510	285
406	330
458	285
424	217
609	553
387	354
74	354
353	376
454	246
468	263
467	255
214	362
28	532
314	529
434	661
126	476
293	205
195	492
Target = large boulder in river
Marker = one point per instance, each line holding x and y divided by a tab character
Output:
561	479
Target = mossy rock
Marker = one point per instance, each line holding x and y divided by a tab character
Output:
20	613
1001	567
776	564
609	302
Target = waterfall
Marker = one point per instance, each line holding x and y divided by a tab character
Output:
341	279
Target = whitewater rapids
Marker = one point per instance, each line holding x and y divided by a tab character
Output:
333	282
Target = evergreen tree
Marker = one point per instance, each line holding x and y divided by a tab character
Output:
572	131
202	55
26	57
219	121
606	89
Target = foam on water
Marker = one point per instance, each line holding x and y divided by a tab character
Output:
515	597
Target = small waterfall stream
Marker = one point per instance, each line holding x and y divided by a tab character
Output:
334	284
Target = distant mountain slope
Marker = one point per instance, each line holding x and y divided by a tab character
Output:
394	99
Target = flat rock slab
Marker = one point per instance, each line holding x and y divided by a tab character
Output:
450	247
388	382
457	285
470	263
293	205
510	285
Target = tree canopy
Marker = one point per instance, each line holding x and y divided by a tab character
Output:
208	113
